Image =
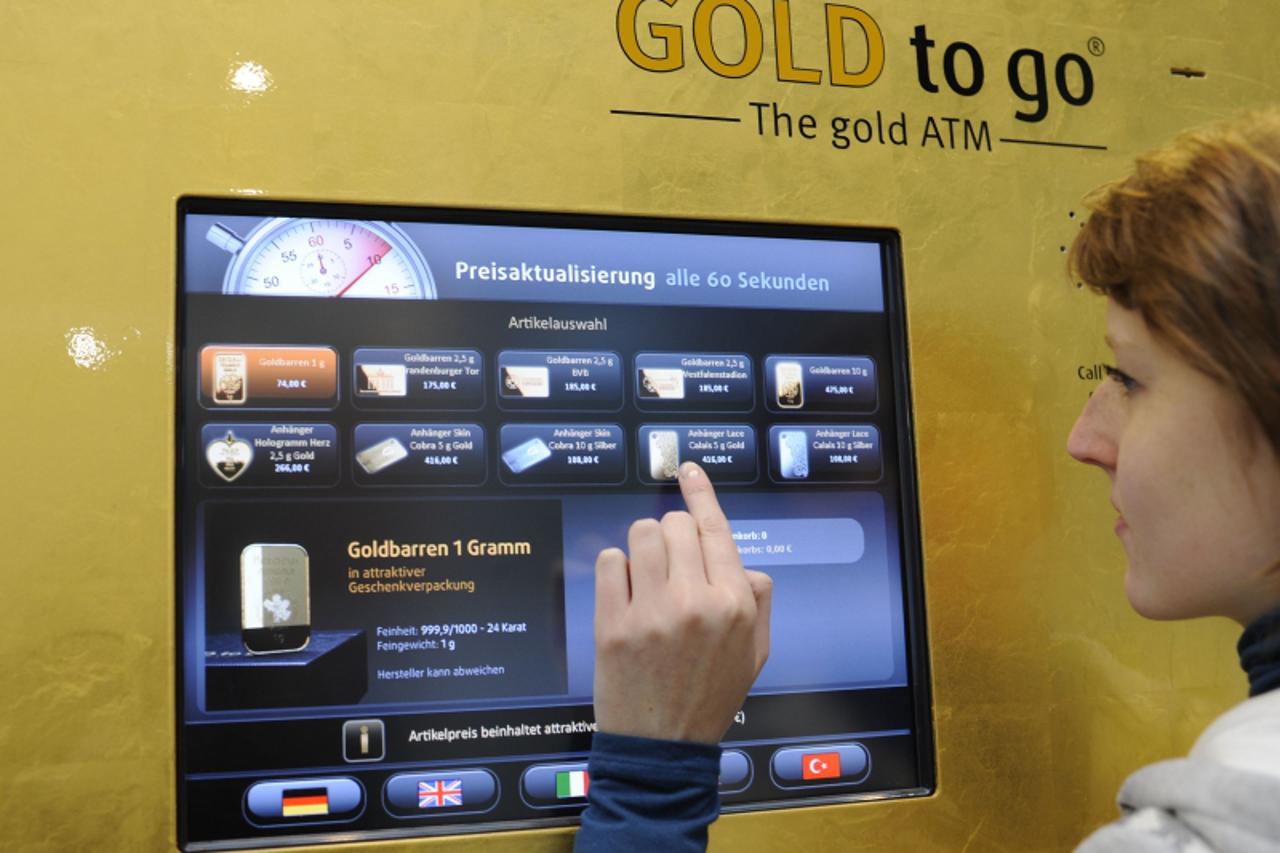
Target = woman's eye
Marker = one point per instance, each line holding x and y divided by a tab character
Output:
1126	381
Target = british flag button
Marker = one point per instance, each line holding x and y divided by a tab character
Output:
420	795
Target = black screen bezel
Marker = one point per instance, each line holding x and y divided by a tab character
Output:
893	284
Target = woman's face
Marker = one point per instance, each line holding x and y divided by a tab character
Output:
1196	485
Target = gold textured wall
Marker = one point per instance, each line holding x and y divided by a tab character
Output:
1048	690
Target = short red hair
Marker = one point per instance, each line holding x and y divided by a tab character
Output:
1191	240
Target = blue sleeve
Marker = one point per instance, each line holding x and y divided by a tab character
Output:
646	795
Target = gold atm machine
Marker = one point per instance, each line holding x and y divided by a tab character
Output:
359	330
408	432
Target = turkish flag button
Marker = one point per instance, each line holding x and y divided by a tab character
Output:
820	765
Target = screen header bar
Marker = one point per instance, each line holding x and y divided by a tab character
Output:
540	264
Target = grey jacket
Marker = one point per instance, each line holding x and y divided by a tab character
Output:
1223	797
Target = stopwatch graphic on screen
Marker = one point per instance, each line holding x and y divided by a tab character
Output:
345	258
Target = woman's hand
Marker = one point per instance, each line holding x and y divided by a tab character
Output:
682	629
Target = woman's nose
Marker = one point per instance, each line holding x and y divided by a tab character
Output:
1093	438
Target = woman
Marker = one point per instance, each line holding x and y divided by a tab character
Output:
1187	429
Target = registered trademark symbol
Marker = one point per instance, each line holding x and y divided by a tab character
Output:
1097	46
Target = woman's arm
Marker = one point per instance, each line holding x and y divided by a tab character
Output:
681	632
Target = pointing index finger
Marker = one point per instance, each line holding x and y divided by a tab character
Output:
719	552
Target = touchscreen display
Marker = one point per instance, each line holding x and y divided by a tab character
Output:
404	436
